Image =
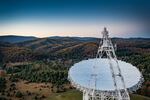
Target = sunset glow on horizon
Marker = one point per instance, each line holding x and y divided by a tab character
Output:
81	29
76	18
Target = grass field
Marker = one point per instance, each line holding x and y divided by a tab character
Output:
69	95
138	97
39	89
76	95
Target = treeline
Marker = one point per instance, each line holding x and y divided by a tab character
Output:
2	84
51	66
16	54
53	72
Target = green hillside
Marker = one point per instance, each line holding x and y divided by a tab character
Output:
37	69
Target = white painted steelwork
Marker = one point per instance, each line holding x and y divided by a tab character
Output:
105	77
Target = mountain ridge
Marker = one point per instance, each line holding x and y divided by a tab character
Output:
15	38
18	39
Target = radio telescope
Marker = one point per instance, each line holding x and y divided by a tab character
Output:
105	77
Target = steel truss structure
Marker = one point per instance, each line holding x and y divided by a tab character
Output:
107	50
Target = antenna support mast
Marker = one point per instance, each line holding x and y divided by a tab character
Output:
107	50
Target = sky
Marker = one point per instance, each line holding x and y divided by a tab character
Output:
82	18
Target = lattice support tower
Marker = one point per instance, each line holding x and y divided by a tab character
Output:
107	50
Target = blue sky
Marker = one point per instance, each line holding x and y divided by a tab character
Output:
43	18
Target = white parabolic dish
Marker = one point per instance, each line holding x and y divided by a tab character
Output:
80	75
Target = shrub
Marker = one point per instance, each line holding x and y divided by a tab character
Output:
19	94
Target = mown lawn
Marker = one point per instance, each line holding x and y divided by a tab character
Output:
76	95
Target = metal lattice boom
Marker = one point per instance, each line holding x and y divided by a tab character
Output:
106	47
104	77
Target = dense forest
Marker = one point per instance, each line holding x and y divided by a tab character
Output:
48	60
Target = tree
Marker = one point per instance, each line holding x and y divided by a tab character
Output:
2	84
19	94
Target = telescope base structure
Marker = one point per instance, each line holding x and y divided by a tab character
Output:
105	77
104	96
80	77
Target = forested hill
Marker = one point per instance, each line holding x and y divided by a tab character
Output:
15	39
68	48
48	59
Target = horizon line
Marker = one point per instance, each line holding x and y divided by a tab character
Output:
72	36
